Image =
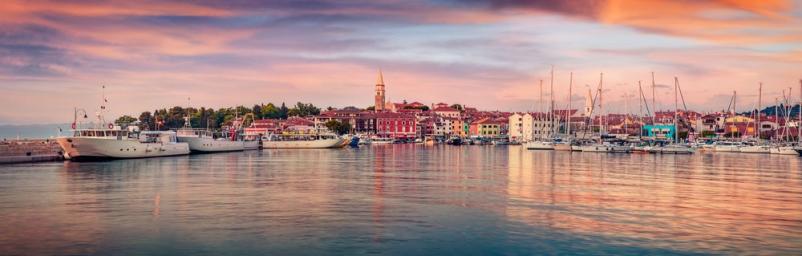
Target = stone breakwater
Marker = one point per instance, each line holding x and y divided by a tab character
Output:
29	150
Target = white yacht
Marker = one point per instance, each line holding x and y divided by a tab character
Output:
757	149
598	148
727	146
302	141
675	149
782	150
204	141
539	145
86	144
381	140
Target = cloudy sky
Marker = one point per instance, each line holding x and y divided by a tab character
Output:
491	54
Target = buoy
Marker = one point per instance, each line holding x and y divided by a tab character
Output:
111	126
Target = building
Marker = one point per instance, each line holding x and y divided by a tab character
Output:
396	126
516	127
380	94
659	131
446	111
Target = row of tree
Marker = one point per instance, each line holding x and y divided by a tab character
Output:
172	118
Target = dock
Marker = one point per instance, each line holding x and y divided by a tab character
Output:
29	151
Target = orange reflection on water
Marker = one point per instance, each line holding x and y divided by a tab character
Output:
720	200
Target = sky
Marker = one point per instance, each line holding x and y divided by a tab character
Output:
489	54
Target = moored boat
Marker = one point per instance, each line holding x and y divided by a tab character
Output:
783	150
758	149
88	144
539	145
302	141
204	141
727	146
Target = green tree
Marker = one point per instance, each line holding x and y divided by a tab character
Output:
124	120
338	127
283	111
270	111
146	121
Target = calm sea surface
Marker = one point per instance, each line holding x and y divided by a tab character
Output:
405	200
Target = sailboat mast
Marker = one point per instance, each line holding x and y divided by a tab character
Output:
759	103
654	106
551	100
601	107
640	111
734	110
676	129
568	114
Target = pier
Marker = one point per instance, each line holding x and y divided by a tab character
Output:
29	151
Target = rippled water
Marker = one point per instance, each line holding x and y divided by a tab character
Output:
405	200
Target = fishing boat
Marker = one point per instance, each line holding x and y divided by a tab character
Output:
301	141
205	141
89	144
112	142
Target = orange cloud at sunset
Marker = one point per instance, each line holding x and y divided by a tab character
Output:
484	53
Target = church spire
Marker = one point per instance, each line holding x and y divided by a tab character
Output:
379	103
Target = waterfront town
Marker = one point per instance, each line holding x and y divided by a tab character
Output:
773	129
406	122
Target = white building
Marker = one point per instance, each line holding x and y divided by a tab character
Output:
528	127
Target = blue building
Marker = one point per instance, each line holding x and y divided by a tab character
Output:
659	131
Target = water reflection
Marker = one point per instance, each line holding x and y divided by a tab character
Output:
405	199
710	202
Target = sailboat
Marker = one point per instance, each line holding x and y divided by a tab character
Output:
567	144
540	143
599	146
676	147
758	148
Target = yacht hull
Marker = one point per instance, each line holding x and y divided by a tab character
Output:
539	145
210	145
299	144
756	149
787	150
90	148
597	148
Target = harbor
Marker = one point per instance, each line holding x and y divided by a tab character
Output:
382	127
771	130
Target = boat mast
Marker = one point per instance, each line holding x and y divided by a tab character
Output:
759	103
640	111
734	112
676	129
568	114
540	117
601	107
551	99
654	105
